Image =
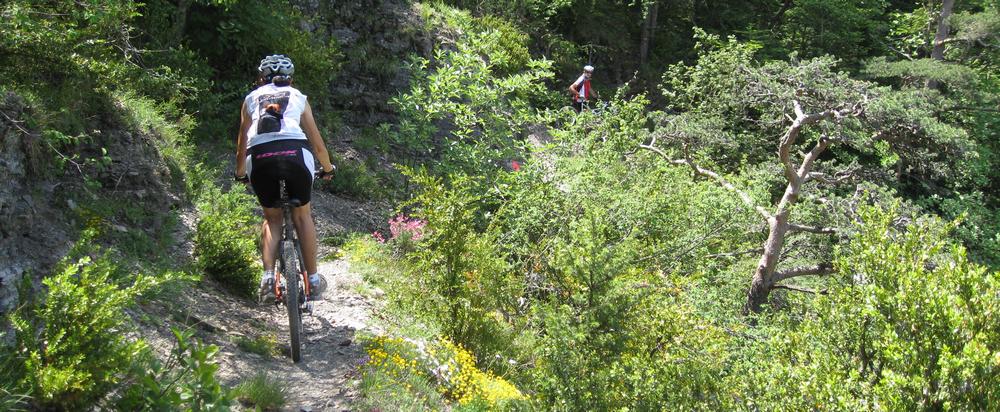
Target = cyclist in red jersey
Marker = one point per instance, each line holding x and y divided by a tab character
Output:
580	89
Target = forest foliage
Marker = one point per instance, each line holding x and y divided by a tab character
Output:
758	231
781	205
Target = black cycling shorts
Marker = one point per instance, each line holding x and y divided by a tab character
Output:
288	160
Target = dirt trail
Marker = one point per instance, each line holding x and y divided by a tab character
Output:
323	381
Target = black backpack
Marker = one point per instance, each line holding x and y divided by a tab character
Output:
270	121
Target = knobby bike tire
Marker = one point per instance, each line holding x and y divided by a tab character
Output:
292	273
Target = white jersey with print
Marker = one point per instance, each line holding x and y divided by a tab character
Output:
292	103
582	95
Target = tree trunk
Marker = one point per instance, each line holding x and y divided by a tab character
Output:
778	225
760	286
648	30
179	23
943	29
765	276
780	14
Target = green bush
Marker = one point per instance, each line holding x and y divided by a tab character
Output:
446	114
353	178
186	381
226	240
263	345
914	327
458	278
509	51
71	348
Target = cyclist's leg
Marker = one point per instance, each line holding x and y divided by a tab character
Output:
298	182
306	228
270	236
264	177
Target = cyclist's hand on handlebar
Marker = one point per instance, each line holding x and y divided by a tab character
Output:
242	179
322	174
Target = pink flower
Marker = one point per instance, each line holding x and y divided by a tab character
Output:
402	224
378	237
515	165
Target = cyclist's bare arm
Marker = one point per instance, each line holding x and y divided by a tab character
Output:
308	124
241	142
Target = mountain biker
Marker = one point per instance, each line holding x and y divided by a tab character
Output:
278	139
580	89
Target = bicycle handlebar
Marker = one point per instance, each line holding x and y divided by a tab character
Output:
322	173
319	175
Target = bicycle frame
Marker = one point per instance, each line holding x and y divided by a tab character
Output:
291	269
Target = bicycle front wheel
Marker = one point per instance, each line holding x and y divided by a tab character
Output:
292	273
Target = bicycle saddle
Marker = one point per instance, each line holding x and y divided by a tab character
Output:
294	202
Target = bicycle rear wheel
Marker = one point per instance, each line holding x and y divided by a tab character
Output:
291	274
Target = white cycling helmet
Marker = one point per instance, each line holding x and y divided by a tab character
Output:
588	68
276	65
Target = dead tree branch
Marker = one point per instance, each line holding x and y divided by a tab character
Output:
714	176
792	227
820	269
801	289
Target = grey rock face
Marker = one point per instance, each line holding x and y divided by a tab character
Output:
38	202
375	38
15	214
24	225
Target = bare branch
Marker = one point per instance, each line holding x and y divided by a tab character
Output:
801	120
830	180
801	289
691	245
904	55
821	269
807	162
813	229
715	176
16	123
785	146
799	114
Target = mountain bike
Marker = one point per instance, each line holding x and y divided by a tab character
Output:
291	285
291	282
598	107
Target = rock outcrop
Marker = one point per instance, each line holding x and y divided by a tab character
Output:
375	37
32	232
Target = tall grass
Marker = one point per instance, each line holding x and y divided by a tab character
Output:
263	392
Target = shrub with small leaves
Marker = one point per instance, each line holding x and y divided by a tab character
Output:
186	381
70	348
353	178
226	240
914	326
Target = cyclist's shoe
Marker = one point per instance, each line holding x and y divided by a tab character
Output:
267	291
317	285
